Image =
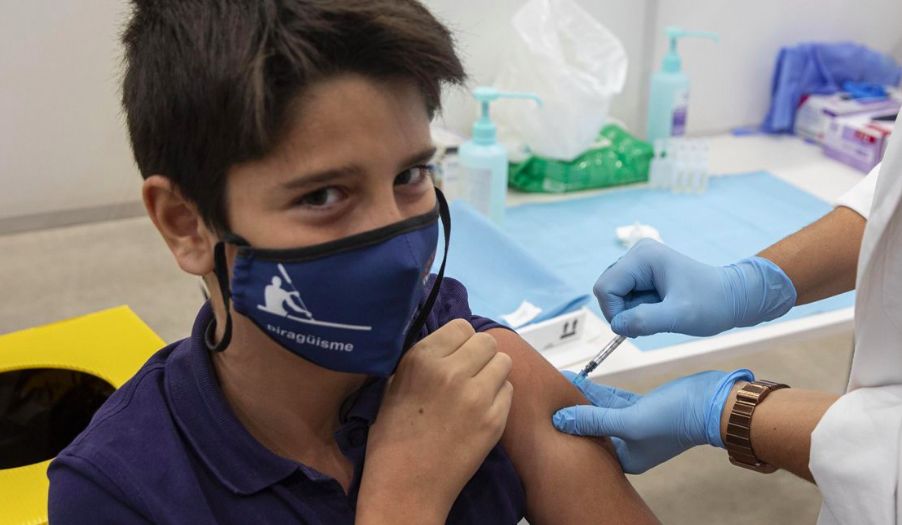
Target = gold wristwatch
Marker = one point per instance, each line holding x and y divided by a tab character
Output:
738	440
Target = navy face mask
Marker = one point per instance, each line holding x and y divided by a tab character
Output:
351	305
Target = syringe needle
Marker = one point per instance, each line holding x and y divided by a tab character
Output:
599	358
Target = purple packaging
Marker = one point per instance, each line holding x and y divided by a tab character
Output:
859	141
817	112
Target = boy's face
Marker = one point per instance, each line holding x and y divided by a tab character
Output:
353	159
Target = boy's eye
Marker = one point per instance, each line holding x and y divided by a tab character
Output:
414	175
321	197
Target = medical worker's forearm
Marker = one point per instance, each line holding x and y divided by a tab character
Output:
822	258
782	425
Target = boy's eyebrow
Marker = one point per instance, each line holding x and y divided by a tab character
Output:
320	177
330	174
420	158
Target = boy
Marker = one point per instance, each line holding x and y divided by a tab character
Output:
284	146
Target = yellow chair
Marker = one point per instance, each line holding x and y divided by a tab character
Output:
111	345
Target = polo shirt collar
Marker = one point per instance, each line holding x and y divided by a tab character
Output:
199	407
234	456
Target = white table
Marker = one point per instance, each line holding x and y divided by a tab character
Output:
788	158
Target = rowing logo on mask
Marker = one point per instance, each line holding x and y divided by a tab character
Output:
288	303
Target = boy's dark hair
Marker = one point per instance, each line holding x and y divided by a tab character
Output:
209	83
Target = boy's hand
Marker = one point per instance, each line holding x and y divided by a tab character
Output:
443	411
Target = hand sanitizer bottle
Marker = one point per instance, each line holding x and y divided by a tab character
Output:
483	162
668	100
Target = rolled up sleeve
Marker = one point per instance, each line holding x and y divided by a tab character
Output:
861	196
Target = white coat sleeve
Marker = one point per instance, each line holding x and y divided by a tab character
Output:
861	196
855	457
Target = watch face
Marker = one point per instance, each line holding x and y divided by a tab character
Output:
751	392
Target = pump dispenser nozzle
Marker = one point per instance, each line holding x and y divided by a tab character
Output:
484	130
672	62
483	162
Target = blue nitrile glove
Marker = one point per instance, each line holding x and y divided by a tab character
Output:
648	430
654	288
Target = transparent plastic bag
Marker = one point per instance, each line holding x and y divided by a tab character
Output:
570	60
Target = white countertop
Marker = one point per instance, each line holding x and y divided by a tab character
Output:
787	157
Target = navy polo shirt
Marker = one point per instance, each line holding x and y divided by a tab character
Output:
166	448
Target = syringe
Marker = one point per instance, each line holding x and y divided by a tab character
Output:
597	360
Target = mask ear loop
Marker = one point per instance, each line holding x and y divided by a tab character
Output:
417	325
221	269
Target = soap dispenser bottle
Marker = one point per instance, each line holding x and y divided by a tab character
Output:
668	99
483	162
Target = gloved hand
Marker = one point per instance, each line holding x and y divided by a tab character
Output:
654	288
648	430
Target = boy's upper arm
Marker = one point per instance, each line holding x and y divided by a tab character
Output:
78	494
567	479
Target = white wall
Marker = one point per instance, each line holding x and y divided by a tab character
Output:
731	79
62	140
63	145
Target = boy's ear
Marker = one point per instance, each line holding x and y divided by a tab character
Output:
180	224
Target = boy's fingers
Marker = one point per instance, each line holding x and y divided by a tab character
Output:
473	355
495	373
504	397
447	339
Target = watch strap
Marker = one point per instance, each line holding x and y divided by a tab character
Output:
738	440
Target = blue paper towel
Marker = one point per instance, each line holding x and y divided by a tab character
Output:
738	216
499	274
